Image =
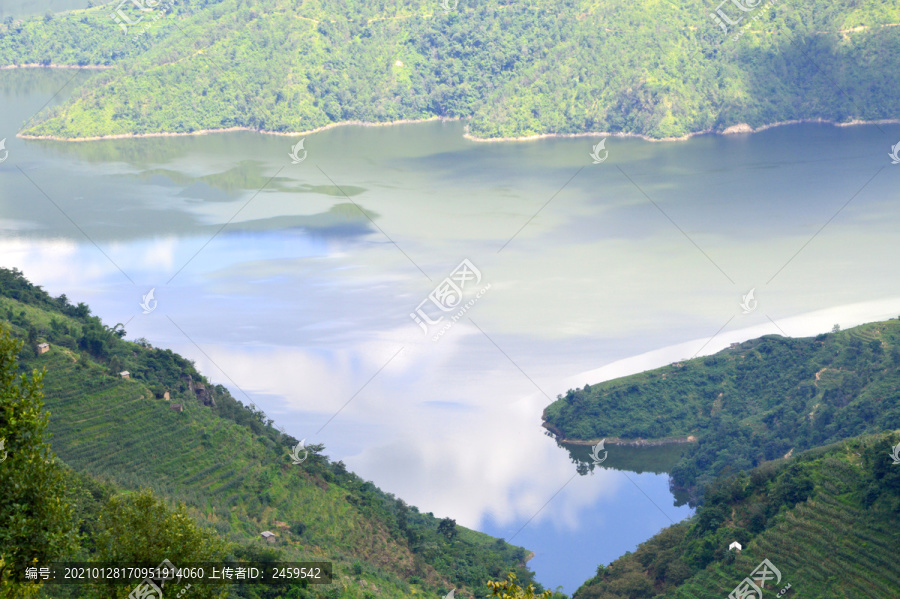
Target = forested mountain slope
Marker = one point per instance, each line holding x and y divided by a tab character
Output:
828	520
648	67
755	401
227	463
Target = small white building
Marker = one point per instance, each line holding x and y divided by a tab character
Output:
125	374
735	545
268	535
43	348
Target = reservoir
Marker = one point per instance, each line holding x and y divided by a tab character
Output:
295	275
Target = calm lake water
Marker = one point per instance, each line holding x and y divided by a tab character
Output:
268	274
23	8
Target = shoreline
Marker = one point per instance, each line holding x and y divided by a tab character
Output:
233	129
34	65
639	442
738	129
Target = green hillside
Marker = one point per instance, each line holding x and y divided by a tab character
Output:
755	401
655	68
226	463
216	474
827	519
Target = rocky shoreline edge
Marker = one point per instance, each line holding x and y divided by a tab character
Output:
638	442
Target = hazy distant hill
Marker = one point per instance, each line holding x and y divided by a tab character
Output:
660	69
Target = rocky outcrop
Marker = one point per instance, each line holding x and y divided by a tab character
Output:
204	396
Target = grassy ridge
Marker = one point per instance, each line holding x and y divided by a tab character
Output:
568	66
752	402
828	519
228	465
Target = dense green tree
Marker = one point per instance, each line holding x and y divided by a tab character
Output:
35	522
447	527
139	528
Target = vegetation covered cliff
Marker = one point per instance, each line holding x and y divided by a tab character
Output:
658	69
828	520
753	402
